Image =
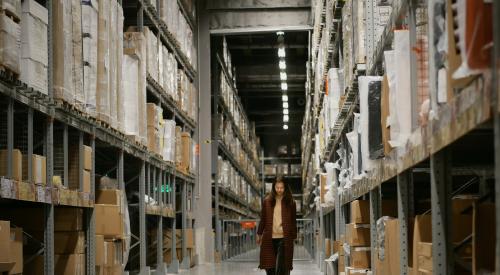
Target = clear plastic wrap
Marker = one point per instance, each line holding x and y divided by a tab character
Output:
165	60
34	24
63	58
76	37
113	63
90	33
103	59
130	71
152	53
169	141
118	35
160	62
12	6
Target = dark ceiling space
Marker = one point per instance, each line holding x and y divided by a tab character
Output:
255	57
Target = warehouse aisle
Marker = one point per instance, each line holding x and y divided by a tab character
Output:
248	268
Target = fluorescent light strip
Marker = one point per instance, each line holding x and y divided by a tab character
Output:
285	118
285	111
283	76
281	52
285	127
285	105
285	98
284	86
282	65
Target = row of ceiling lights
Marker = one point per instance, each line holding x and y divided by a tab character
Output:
283	77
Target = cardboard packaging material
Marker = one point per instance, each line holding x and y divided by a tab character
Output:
87	158
17	164
90	39
109	221
38	169
69	242
99	250
16	250
360	211
111	197
422	232
10	33
63	57
113	253
12	6
328	248
108	183
186	150
34	74
68	219
73	264
5	249
358	235
356	271
86	181
360	257
322	189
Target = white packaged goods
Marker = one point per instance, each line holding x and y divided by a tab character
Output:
34	46
160	63
13	7
401	103
335	90
76	38
103	59
152	52
9	43
164	67
135	46
359	31
130	71
63	57
90	38
169	140
34	32
118	37
348	46
34	74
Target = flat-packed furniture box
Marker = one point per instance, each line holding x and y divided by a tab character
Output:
360	211
16	250
38	169
6	263
360	257
69	242
17	164
109	221
358	234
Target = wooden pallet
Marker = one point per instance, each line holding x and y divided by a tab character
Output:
8	74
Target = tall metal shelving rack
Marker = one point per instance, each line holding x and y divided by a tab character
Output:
220	108
37	122
438	165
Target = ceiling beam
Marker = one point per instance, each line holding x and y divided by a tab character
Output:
253	4
265	46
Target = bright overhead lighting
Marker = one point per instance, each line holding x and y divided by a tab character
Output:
285	118
285	98
280	33
283	76
285	127
284	86
282	65
285	111
281	52
285	105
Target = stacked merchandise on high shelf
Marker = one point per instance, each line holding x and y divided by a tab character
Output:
231	179
177	24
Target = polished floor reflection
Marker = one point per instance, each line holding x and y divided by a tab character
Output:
248	268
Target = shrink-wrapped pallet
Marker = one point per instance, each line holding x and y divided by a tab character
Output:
63	57
11	7
169	140
76	41
90	38
164	67
34	60
152	53
113	65
130	76
103	59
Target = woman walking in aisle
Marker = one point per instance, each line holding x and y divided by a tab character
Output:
277	230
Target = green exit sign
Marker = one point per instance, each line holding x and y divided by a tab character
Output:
164	188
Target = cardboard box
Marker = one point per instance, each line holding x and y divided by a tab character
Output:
16	250
422	232
111	270
186	150
109	196
17	164
328	248
68	219
70	242
424	249
152	112
153	139
99	250
108	221
360	257
360	211
189	237
424	264
113	253
38	169
34	24
87	158
5	259
322	191
73	264
337	246
34	74
356	271
86	182
358	235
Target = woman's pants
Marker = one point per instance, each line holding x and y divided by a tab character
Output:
279	252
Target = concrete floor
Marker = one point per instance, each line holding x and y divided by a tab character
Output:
248	268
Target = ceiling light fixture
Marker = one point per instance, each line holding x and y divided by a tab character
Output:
285	127
281	52
285	118
285	105
282	65
280	33
283	76
285	98
285	111
284	86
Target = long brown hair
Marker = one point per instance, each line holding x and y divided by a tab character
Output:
287	196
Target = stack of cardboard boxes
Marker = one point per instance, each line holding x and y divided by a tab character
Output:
20	167
11	249
154	115
10	35
17	164
109	211
167	244
358	237
74	181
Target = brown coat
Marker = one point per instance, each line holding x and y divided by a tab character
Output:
288	213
